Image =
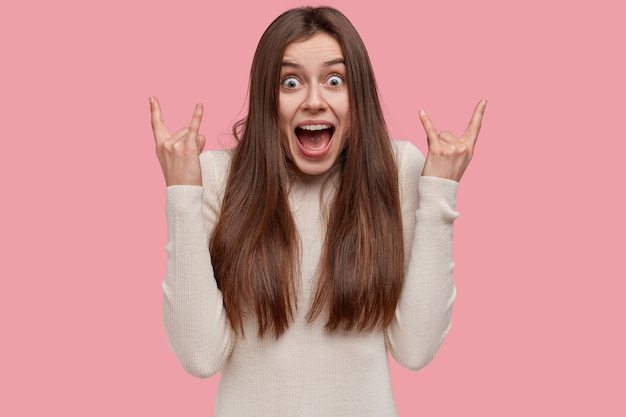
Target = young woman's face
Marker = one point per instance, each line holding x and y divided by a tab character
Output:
313	103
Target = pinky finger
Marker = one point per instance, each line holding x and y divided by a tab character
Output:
194	125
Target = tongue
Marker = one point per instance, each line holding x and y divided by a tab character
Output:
314	140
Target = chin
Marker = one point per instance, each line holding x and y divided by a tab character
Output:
312	169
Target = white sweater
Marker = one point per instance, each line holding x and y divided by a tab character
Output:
307	371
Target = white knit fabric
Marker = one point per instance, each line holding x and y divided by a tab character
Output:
307	371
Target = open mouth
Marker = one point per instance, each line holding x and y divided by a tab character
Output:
314	139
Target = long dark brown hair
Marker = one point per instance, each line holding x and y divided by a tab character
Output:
255	248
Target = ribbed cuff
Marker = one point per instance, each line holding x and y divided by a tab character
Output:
182	199
437	197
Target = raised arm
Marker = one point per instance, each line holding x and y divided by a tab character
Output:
193	313
423	314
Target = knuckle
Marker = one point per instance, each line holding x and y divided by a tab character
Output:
168	146
178	146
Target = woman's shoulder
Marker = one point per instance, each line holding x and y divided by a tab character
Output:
408	156
220	157
215	164
216	160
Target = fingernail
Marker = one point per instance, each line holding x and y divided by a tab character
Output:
151	100
484	103
422	112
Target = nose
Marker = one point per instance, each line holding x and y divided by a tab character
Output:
314	100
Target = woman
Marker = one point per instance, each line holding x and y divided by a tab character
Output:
298	259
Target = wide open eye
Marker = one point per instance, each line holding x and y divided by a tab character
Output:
291	82
334	81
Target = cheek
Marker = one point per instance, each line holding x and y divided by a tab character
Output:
346	108
285	108
342	108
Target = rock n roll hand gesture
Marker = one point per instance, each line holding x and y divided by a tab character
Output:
449	156
178	153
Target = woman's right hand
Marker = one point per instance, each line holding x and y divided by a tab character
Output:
178	153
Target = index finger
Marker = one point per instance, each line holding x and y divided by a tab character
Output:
471	133
158	126
431	133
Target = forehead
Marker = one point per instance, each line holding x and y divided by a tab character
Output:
319	46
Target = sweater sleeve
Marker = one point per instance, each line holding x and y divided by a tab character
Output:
194	317
423	314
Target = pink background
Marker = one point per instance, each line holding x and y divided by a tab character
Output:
538	326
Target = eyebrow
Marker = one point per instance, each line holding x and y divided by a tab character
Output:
336	61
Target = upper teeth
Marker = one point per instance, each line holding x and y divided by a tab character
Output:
314	127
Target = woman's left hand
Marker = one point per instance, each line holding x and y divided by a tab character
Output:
449	156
